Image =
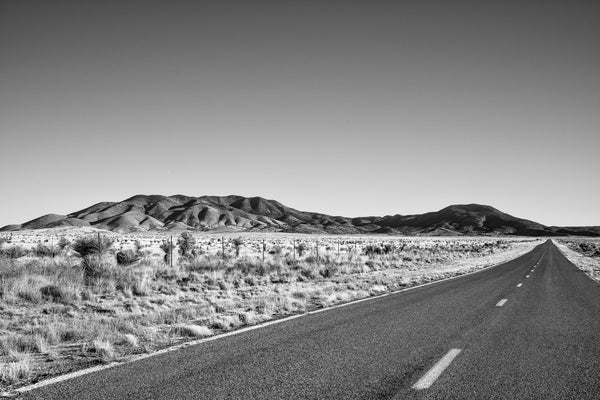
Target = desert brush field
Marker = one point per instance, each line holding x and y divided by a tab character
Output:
72	298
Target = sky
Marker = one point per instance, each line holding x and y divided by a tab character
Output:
349	108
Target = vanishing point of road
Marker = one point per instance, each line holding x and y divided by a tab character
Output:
526	329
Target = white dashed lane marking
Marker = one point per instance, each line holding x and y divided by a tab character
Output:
431	376
501	302
519	285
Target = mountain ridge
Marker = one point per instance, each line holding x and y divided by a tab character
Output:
240	213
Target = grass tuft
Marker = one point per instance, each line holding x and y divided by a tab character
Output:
191	330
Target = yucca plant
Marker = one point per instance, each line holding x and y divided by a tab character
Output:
237	244
187	245
167	247
86	246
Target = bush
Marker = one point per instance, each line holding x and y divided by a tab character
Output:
87	246
95	267
276	250
166	246
187	245
44	251
301	248
4	239
104	349
56	294
13	252
191	330
63	243
238	243
127	257
372	249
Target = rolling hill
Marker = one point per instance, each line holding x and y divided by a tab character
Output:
239	213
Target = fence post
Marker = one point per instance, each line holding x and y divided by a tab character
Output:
99	245
294	249
263	251
223	247
317	247
338	253
171	252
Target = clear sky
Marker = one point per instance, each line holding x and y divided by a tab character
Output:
342	107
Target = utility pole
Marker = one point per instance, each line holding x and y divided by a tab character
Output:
294	249
171	252
223	246
263	251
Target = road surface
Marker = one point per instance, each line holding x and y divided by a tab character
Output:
527	329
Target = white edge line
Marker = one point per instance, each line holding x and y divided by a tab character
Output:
98	368
501	302
434	373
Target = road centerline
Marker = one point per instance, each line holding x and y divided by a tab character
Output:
501	302
434	373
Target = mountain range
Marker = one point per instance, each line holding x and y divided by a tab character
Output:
239	213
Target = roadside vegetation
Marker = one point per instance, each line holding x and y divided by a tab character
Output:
71	303
584	253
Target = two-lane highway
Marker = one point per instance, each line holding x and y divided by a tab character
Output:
529	328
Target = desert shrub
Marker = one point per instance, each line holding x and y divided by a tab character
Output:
104	349
141	286
95	267
307	273
276	250
237	244
43	251
328	271
247	267
372	249
87	246
4	239
130	340
63	243
301	248
13	372
137	245
127	257
57	294
187	245
191	330
225	322
167	247
13	252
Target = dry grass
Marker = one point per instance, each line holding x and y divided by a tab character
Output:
584	253
69	311
14	371
188	330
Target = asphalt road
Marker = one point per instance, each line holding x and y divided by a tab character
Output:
543	342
